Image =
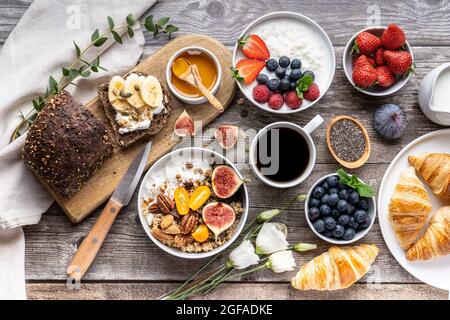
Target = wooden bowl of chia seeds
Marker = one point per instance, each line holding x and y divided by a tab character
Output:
348	141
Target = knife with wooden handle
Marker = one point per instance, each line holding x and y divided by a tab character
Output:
92	243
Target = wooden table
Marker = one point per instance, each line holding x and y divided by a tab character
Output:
131	266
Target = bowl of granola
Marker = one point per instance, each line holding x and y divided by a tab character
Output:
193	203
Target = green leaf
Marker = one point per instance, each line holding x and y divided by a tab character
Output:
35	105
52	84
130	32
170	28
116	37
95	35
72	75
363	189
110	22
94	69
130	20
31	119
65	72
77	49
161	22
148	24
85	74
100	41
235	74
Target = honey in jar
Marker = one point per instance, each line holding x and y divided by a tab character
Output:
207	70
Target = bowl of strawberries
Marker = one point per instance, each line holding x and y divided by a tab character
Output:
378	61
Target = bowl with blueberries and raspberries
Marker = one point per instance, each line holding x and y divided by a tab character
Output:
340	208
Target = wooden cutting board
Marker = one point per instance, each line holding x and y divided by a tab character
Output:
100	186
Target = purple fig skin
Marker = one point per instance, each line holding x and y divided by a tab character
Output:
225	181
389	121
218	217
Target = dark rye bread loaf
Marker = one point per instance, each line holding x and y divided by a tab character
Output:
157	124
66	144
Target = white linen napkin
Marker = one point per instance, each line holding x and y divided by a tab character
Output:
38	46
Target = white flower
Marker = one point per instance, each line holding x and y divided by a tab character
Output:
281	261
243	256
270	239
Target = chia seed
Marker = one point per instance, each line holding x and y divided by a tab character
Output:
347	140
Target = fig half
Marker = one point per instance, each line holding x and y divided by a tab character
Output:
184	125
225	181
226	136
218	217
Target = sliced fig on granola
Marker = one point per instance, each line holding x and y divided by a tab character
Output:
225	181
218	217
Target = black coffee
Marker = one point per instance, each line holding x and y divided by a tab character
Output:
282	154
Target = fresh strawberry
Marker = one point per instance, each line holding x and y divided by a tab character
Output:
379	59
361	61
393	37
247	70
254	47
312	93
364	76
261	93
366	43
385	76
400	62
367	59
292	100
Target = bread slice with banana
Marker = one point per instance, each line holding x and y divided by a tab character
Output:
137	107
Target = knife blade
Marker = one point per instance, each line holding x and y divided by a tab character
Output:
92	243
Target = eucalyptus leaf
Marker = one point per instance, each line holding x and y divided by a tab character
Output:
148	24
77	49
94	69
116	37
52	84
130	32
95	35
130	20
162	22
100	41
110	22
65	72
170	28
85	74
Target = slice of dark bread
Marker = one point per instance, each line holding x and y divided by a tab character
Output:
66	144
157	124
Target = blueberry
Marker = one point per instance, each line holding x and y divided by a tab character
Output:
271	65
325	186
335	213
313	213
363	204
314	202
295	74
333	190
343	194
328	233
342	186
360	216
349	234
344	219
310	73
325	199
342	206
296	63
293	85
273	84
330	223
334	199
319	226
366	223
280	72
284	62
325	209
333	181
351	209
353	197
285	86
286	76
352	223
262	78
318	192
338	231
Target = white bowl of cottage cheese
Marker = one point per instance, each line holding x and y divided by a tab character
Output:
296	36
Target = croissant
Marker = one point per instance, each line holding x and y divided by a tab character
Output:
409	208
436	240
338	268
434	168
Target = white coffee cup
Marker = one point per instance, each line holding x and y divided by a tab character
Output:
305	132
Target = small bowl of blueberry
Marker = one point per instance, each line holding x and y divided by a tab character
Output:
336	211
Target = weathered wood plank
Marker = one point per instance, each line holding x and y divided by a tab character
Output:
254	291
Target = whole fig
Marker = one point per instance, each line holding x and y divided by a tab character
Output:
389	121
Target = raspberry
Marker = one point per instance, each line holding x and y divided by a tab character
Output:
312	93
292	100
261	93
276	101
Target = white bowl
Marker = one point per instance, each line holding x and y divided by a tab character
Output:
323	79
371	212
178	94
375	91
194	152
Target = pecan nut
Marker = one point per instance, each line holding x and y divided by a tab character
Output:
188	223
154	208
165	204
182	240
162	236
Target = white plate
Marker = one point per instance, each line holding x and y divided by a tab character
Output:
319	45
197	156
435	272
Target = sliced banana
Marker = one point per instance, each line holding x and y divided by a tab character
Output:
151	92
133	85
116	94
